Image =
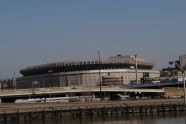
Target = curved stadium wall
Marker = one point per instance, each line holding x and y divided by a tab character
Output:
116	70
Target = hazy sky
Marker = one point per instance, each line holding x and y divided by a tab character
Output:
41	31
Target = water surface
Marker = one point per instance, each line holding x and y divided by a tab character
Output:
166	118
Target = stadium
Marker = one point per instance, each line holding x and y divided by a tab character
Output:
116	70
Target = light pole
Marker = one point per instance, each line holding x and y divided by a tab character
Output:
14	82
34	86
100	84
136	69
183	76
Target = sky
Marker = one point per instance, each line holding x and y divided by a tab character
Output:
43	31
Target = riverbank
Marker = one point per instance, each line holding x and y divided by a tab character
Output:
29	111
36	107
155	118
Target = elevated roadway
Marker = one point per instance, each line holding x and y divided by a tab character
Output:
12	95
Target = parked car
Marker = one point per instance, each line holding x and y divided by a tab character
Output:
119	97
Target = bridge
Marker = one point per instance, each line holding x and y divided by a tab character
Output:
11	95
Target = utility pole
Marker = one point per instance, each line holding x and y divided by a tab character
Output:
100	83
183	75
14	82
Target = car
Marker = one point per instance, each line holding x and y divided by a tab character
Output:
119	97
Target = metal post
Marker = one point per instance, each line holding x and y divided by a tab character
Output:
183	74
100	83
136	69
14	82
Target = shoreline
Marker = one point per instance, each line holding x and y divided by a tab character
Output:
42	111
74	106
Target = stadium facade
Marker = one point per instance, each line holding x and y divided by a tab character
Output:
116	70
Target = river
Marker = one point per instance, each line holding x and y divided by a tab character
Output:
166	118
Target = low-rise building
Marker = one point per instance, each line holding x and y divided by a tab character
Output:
174	73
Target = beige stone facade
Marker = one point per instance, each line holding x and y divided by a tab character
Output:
116	70
87	78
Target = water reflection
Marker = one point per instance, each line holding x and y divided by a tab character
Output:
160	118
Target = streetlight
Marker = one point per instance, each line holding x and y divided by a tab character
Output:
100	83
183	76
14	81
34	86
136	69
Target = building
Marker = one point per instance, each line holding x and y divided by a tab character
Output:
174	73
182	61
170	74
116	70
